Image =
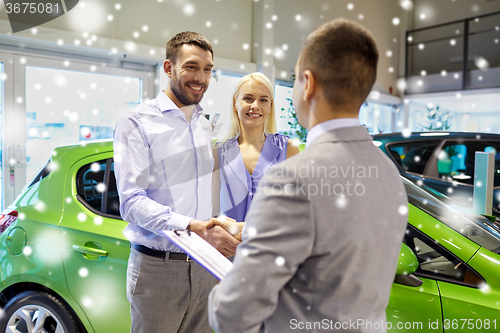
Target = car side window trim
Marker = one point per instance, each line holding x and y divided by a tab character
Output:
104	198
92	209
431	169
445	253
104	201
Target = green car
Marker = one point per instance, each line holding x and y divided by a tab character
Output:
63	256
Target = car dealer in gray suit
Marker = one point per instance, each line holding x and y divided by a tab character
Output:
323	235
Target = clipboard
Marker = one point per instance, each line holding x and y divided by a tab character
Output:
200	251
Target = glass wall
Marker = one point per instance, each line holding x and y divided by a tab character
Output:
378	118
217	102
484	52
455	56
435	59
423	118
282	106
64	107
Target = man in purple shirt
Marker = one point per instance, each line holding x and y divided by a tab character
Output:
163	165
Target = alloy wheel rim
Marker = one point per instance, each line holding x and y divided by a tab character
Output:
34	319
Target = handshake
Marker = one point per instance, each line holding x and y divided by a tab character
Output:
230	225
223	233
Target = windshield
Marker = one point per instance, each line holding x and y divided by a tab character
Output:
475	227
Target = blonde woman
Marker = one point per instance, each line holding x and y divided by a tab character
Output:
249	149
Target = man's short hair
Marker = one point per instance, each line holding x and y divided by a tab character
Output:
343	58
186	37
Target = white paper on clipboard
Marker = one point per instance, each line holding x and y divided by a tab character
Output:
200	251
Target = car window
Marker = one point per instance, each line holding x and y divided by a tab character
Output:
412	156
438	263
455	161
96	181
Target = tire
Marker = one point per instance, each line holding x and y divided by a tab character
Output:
36	311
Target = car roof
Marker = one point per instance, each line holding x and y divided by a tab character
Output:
76	151
436	135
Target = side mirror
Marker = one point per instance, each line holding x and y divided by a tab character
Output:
407	265
407	261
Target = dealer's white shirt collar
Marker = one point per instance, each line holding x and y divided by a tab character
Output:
329	125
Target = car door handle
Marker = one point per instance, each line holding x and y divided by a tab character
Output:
90	250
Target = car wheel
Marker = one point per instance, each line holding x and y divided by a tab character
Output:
35	311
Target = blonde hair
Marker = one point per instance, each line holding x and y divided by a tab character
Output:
270	123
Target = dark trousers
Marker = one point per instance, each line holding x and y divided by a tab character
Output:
167	296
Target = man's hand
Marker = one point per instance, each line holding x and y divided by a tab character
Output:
230	225
215	235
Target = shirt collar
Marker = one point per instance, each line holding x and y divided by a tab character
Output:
329	125
166	104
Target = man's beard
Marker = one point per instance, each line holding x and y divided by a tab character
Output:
182	92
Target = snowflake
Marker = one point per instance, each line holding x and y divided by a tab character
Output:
251	231
81	217
341	202
280	261
87	301
188	9
83	272
27	250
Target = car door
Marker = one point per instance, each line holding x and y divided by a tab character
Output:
414	308
463	297
469	309
474	306
95	251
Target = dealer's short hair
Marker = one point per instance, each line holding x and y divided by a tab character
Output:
186	37
343	57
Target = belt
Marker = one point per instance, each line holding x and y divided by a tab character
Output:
160	254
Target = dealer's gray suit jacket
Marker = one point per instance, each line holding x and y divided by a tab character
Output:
321	243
